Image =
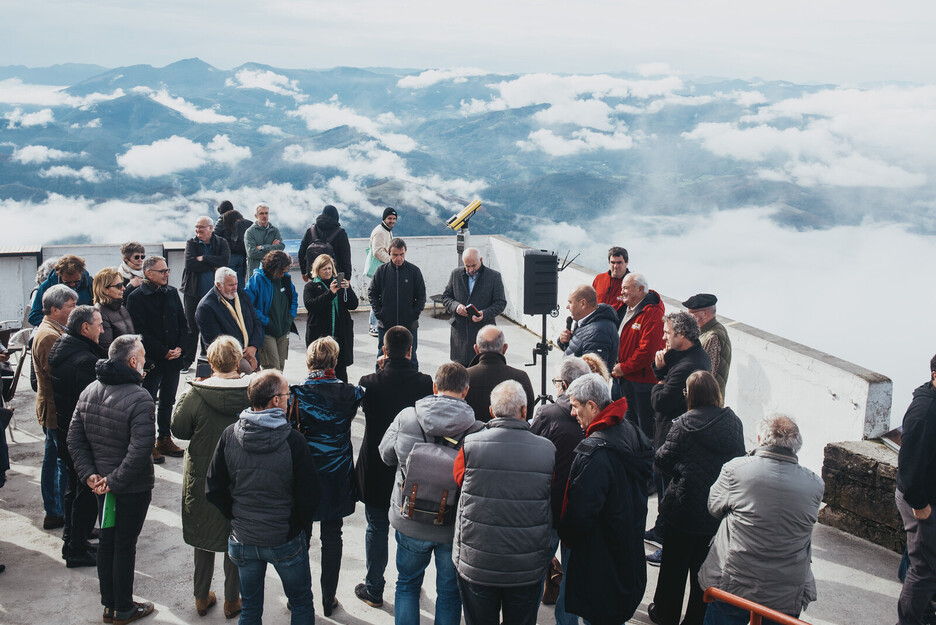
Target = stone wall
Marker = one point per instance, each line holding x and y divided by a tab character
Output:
860	480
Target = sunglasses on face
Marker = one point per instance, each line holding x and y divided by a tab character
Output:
119	285
138	256
72	283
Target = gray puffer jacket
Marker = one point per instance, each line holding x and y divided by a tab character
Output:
503	530
762	551
113	430
438	415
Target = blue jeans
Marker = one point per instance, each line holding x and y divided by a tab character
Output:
53	480
372	320
412	558
562	617
291	561
721	613
375	549
380	334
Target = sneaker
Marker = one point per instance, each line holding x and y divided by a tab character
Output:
158	458
139	611
655	558
360	591
373	332
186	369
166	446
52	522
651	612
650	536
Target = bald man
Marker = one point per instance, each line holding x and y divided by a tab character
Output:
595	330
474	296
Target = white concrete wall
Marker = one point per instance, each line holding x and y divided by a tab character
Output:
832	400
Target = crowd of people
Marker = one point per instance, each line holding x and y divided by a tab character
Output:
463	465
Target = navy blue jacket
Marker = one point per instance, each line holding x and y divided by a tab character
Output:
214	319
596	334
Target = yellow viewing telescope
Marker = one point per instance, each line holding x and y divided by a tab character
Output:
460	220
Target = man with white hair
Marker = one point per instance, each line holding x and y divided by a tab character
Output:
503	526
474	296
605	508
228	309
641	337
204	254
57	303
768	505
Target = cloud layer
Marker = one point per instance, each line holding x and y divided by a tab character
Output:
176	154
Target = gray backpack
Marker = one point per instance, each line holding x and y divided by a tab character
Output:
430	493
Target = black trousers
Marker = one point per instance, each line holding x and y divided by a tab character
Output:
330	535
190	343
483	604
116	557
80	505
162	383
683	554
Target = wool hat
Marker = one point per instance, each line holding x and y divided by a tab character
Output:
389	211
225	206
330	211
701	300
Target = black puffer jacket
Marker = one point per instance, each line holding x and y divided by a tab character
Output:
71	363
697	446
555	422
603	524
597	334
667	399
113	430
117	322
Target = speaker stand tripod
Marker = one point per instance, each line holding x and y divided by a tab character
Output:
542	349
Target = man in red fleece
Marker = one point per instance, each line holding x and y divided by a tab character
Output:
608	284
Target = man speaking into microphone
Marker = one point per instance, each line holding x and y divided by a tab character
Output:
595	329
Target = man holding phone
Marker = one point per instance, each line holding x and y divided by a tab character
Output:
474	296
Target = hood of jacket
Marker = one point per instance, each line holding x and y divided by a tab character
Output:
925	391
324	225
261	431
650	300
711	425
70	344
117	372
610	416
226	399
603	312
440	415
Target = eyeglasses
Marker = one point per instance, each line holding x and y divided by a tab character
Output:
119	285
138	256
71	283
160	271
203	227
557	381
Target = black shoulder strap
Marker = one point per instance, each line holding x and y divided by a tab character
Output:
332	236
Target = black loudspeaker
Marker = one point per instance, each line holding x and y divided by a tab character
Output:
540	282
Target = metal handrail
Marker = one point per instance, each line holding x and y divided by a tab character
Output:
757	610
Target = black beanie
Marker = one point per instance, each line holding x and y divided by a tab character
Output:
225	206
389	211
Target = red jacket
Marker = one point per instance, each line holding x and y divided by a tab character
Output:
641	339
609	289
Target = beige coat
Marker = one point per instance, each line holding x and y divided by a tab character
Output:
380	239
46	335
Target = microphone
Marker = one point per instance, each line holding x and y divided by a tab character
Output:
568	323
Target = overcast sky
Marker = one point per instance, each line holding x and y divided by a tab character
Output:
834	41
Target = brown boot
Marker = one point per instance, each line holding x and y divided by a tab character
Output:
232	608
202	605
158	458
167	447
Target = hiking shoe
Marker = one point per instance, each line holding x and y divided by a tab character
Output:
655	558
166	446
650	536
202	605
52	522
232	608
158	458
360	591
84	559
139	611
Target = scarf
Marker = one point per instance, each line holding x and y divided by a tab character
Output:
127	273
334	306
237	313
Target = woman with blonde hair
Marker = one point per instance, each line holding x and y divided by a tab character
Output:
323	408
329	302
201	415
108	289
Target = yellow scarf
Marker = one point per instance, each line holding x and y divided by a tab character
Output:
237	314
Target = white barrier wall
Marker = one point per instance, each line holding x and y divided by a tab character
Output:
832	400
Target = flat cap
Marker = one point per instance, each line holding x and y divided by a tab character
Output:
701	300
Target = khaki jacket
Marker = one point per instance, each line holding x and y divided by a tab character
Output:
46	334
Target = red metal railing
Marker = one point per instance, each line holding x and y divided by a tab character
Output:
757	610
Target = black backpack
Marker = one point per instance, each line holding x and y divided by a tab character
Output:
319	247
430	493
